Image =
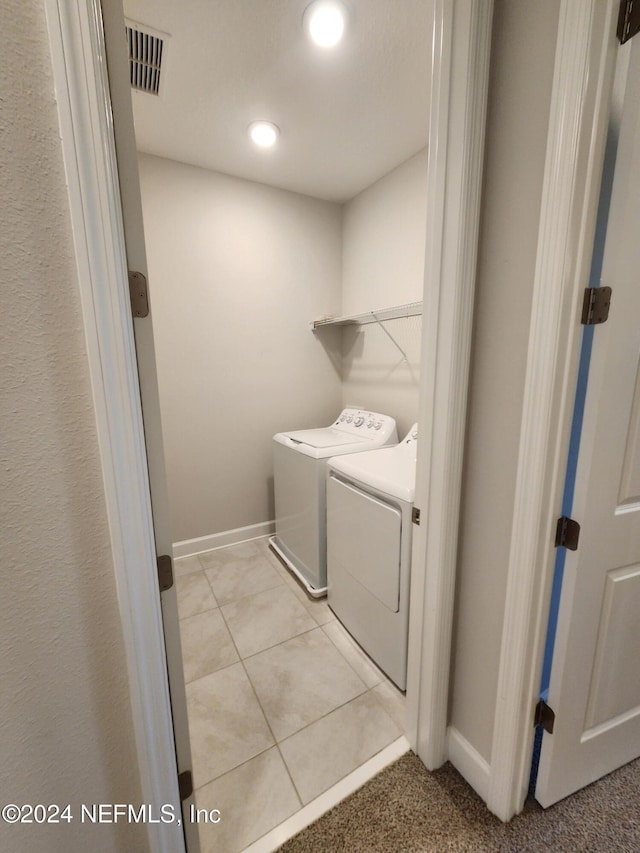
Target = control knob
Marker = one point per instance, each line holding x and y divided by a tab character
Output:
358	421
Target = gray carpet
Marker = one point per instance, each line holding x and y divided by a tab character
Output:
406	809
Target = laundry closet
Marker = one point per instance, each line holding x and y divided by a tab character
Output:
286	287
240	267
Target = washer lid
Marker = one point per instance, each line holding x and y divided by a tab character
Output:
325	437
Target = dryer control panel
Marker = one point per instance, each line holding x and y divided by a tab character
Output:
366	424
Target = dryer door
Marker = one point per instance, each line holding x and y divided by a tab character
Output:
365	537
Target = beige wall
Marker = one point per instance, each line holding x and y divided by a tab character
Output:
384	230
237	272
524	37
65	722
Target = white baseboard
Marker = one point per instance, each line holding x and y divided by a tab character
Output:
189	547
468	762
322	804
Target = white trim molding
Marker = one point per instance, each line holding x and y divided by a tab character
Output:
583	76
468	762
460	75
190	547
81	83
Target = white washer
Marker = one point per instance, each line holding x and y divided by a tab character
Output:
369	503
299	467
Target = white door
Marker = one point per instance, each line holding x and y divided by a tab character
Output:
119	85
595	677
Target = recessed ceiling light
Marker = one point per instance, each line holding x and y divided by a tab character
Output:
263	133
324	21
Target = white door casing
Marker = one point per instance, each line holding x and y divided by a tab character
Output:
583	75
459	85
595	686
82	92
131	202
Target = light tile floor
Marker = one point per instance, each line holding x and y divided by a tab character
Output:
282	702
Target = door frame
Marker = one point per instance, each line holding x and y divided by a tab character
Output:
459	90
88	150
580	105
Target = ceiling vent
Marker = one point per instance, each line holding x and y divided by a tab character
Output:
145	58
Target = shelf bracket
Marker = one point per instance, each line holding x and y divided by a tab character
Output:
389	335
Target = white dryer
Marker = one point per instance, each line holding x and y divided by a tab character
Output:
300	474
369	503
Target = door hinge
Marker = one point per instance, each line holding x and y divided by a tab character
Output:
544	717
185	784
165	572
139	294
415	515
567	533
628	20
595	305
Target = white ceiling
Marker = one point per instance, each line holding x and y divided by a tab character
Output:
347	116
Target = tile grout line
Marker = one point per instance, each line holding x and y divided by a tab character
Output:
242	764
275	740
266	719
215	672
282	642
337	647
257	555
281	582
338	708
286	767
252	654
383	678
176	580
241	597
204	572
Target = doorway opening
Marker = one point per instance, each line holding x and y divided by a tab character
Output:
244	249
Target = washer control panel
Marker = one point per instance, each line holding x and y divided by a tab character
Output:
367	424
